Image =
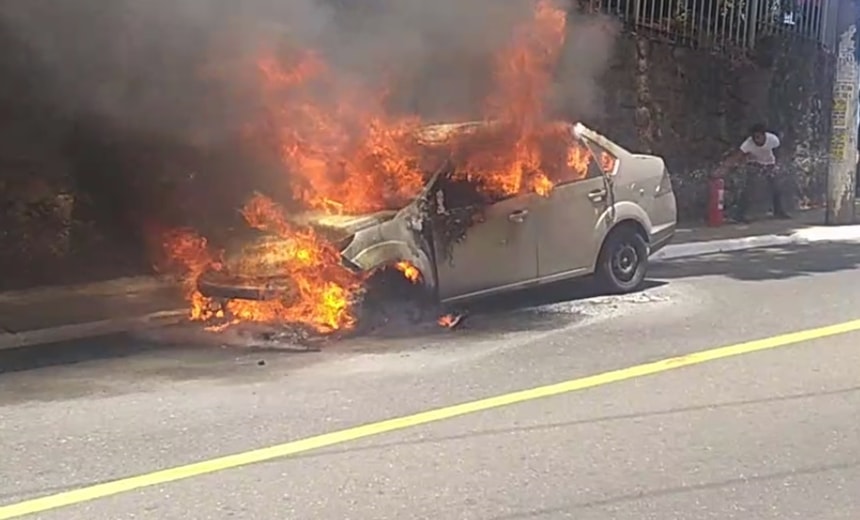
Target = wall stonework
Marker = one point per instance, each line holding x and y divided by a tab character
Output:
693	106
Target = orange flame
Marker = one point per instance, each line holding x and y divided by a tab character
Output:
410	272
542	185
343	153
324	290
524	69
449	321
578	159
523	79
607	162
189	253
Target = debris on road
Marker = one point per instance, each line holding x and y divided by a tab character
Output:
451	321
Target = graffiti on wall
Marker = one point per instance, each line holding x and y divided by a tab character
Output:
845	113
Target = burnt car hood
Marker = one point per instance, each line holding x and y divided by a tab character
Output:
338	227
254	253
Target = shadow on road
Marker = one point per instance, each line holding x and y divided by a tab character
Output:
70	352
773	263
536	428
534	310
643	496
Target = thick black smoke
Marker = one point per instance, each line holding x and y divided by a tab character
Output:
182	67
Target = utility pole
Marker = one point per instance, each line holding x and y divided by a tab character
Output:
842	171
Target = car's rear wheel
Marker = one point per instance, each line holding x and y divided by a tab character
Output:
623	261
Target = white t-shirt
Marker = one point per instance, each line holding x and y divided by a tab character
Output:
761	154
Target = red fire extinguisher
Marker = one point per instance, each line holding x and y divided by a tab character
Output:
716	198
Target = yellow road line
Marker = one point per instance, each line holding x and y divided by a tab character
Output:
197	469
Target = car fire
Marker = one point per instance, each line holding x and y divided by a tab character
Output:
433	202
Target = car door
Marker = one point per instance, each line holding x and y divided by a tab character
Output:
568	243
498	250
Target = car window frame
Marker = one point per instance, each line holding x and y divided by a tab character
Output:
448	175
594	169
593	147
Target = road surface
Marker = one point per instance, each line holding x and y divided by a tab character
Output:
773	432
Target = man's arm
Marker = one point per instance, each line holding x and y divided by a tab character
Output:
736	157
774	142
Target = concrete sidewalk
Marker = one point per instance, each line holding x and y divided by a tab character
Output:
48	314
701	233
805	226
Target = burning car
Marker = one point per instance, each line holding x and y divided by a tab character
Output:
602	211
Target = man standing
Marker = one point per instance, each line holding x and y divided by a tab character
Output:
757	151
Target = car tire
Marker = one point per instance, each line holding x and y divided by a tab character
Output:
390	296
623	261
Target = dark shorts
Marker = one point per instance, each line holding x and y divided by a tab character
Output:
752	172
764	170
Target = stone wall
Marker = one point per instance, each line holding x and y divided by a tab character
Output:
693	106
36	190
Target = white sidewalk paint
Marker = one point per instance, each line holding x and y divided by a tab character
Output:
803	236
829	234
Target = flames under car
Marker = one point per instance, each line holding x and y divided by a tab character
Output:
253	269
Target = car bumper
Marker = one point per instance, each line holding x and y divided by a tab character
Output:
218	285
212	284
661	237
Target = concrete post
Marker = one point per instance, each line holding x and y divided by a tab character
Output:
844	123
752	23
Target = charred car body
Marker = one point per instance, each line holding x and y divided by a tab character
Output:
605	222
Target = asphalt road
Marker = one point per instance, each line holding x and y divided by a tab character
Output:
769	434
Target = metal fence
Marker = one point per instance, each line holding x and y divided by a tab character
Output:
724	24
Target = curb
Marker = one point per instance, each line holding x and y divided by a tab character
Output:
675	251
89	330
108	287
802	236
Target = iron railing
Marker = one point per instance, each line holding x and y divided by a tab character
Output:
724	24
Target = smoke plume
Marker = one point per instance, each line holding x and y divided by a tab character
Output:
182	68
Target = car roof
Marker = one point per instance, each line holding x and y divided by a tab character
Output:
439	133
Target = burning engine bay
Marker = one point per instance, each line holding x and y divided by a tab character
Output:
365	177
